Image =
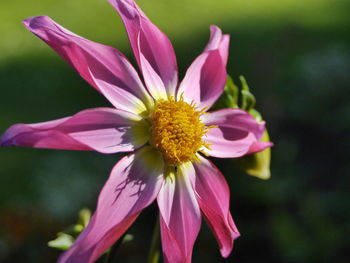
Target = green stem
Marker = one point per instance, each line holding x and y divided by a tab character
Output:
154	253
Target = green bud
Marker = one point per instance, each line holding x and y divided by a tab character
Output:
257	164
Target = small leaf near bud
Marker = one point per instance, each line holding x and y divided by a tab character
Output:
248	99
62	242
66	238
231	91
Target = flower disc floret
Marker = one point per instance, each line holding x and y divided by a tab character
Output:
177	130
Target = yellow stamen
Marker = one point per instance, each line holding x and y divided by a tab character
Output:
177	130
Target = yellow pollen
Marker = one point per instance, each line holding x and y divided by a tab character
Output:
177	130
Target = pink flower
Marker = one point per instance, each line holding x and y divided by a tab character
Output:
164	125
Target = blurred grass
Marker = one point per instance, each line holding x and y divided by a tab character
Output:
296	57
96	20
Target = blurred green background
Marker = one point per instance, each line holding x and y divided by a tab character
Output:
296	57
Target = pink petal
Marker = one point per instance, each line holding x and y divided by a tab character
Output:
133	184
236	133
180	217
205	79
259	146
213	196
218	41
152	49
105	130
101	66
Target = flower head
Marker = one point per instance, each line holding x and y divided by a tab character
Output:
164	125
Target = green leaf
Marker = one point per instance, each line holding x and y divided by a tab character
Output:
62	242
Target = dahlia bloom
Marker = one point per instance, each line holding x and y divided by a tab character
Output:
163	125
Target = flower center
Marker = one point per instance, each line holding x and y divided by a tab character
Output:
177	130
